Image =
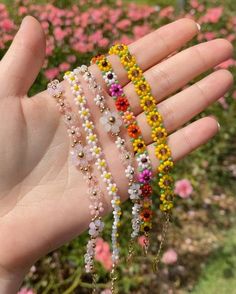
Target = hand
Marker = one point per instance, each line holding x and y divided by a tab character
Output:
43	201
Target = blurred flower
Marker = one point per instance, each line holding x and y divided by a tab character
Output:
212	15
64	66
223	103
106	291
226	64
103	253
183	188
166	12
169	257
51	73
26	291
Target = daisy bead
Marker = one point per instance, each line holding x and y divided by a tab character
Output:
101	164
110	77
134	191
95	228
129	172
99	100
112	189
106	176
84	113
96	151
143	161
120	143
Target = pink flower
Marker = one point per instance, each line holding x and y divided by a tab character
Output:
7	25
106	291
142	240
123	24
71	58
209	36
213	15
183	188
64	66
170	257
103	253
26	291
51	73
166	12
22	10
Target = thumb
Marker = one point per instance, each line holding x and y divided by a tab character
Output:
23	60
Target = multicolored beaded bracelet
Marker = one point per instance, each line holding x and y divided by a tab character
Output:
82	158
159	134
142	198
134	187
154	119
100	162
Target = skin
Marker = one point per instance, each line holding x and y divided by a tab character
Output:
43	201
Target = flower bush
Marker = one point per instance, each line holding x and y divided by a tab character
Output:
76	32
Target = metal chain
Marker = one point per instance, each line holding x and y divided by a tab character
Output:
163	238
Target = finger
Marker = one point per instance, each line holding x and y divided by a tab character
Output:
23	60
176	71
187	139
155	46
195	99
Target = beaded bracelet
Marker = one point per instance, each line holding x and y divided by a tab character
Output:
82	158
142	200
100	162
154	119
159	134
134	188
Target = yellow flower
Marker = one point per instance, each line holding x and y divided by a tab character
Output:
165	182
167	195
166	206
118	49
159	135
146	227
128	60
134	73
148	103
162	152
165	167
104	64
154	118
142	88
139	145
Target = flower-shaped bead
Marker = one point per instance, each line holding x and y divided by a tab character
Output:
134	131
81	155
143	161
142	88
134	191
95	228
148	103
119	49
129	172
128	117
110	78
122	104
159	135
111	122
139	145
146	215
154	118
116	90
162	152
146	190
165	182
103	64
165	167
145	176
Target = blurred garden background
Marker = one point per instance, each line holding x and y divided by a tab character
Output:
200	252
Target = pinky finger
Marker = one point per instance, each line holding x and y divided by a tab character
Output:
189	138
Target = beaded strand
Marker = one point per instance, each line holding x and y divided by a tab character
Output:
141	198
154	119
135	189
100	162
81	157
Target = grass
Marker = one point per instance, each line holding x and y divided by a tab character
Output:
219	276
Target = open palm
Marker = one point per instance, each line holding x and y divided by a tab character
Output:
43	201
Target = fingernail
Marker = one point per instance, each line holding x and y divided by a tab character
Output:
198	26
218	124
